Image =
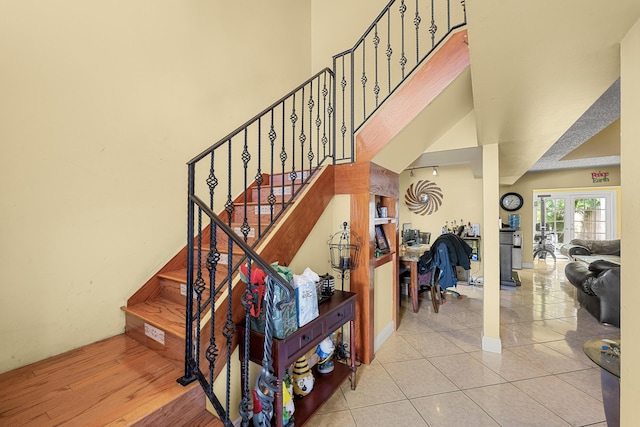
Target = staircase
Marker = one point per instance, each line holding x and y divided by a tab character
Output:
253	198
256	194
156	314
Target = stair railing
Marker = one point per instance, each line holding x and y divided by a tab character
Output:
290	139
389	51
278	151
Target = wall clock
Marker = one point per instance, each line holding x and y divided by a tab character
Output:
511	201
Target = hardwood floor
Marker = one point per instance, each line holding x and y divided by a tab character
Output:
114	382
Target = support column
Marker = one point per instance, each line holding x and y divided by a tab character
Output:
630	233
491	248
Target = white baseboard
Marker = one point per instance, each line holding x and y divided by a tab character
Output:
383	336
492	345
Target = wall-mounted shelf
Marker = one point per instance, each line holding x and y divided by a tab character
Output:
380	221
370	187
382	259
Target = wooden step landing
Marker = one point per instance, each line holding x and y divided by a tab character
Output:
114	382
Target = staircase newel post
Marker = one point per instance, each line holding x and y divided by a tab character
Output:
189	375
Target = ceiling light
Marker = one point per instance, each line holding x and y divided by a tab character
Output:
435	171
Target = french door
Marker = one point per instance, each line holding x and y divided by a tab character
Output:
576	215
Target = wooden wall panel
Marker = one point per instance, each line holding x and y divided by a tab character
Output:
361	281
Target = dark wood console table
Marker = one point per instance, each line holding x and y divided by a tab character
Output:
335	312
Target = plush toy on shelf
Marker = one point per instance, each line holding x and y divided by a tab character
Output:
287	402
325	354
302	378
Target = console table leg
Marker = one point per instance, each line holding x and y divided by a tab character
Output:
279	406
352	333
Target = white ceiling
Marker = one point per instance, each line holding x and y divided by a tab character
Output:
545	79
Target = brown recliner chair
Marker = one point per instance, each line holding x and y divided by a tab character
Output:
598	286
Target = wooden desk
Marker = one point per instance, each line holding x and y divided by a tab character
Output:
335	312
410	259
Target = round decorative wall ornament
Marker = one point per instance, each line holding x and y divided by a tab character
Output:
423	198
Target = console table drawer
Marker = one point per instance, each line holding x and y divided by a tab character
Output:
339	317
309	338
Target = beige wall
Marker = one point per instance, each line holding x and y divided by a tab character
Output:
462	200
336	25
314	252
552	180
383	303
630	176
102	105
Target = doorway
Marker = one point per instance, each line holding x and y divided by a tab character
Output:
574	214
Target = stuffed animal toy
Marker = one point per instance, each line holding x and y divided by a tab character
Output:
302	378
289	408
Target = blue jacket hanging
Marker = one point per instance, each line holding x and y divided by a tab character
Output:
447	252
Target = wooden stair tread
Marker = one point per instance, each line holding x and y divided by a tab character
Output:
161	313
110	383
181	275
176	275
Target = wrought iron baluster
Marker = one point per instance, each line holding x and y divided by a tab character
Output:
229	206
464	10
433	29
189	374
246	405
283	153
294	119
403	58
363	80
266	381
352	95
416	22
311	105
376	86
318	122
343	127
199	286
246	157
329	95
389	51
229	330
301	140
259	179
271	199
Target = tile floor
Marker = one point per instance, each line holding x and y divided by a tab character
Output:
432	372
